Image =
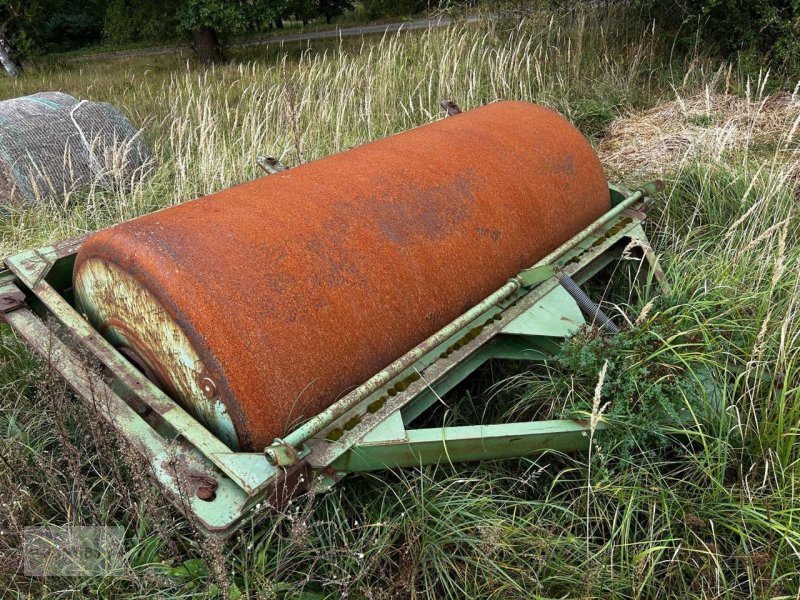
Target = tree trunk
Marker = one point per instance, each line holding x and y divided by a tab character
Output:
206	44
305	21
11	66
328	18
279	22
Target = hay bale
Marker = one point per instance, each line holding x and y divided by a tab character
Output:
50	143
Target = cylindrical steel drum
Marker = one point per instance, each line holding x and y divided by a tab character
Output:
259	306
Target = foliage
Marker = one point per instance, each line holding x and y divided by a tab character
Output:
377	9
333	8
754	28
17	17
770	27
68	24
228	17
302	10
215	14
37	27
649	386
140	20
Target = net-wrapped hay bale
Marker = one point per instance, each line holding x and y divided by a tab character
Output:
51	143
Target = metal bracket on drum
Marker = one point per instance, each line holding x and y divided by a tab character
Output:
270	165
451	108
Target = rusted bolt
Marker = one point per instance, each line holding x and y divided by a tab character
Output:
206	486
206	494
208	387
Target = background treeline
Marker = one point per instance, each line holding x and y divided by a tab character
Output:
48	26
758	29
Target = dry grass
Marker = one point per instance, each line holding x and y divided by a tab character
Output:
207	126
707	126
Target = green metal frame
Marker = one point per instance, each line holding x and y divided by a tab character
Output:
367	430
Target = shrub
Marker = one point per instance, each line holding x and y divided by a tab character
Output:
377	9
753	28
145	20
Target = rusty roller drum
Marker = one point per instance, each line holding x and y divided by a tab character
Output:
259	306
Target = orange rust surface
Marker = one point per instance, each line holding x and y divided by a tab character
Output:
296	287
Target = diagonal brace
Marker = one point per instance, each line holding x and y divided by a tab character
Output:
467	443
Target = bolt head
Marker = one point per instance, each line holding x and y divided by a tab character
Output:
207	494
208	387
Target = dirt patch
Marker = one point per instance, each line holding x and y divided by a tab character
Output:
704	127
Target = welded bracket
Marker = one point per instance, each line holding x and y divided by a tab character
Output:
282	454
451	108
556	315
535	275
270	164
11	298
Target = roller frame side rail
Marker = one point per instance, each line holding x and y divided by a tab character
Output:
369	429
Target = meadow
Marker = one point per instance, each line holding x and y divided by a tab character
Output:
705	510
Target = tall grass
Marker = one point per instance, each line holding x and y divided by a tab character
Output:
709	511
208	126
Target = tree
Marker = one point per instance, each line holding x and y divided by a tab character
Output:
140	20
207	20
68	24
378	9
16	16
7	59
30	27
334	8
302	10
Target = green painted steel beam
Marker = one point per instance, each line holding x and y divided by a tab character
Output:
503	347
466	444
534	335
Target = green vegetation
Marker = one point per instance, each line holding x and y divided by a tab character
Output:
707	509
32	28
757	28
